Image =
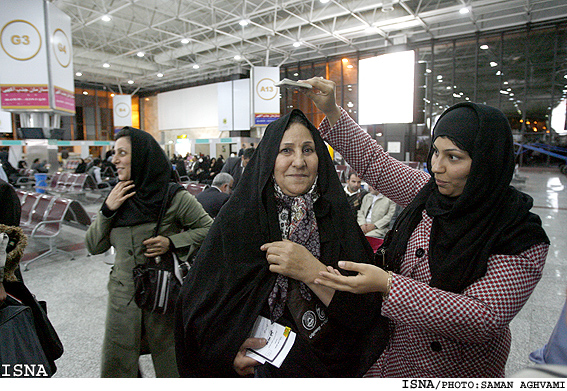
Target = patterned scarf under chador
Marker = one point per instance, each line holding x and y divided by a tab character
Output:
299	225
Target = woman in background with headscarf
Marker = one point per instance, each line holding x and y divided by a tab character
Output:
287	220
127	221
464	255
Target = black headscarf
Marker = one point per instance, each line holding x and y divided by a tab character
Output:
489	217
229	283
151	172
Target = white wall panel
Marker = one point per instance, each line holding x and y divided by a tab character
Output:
194	107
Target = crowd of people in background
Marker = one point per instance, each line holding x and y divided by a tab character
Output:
279	236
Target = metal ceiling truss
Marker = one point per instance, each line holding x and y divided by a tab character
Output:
213	36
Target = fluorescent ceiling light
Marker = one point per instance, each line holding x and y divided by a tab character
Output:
484	47
184	41
106	65
296	44
130	81
159	74
78	74
244	22
196	66
140	54
106	18
464	11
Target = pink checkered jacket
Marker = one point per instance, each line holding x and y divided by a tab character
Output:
434	333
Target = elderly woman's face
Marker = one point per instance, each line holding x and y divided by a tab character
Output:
122	158
297	162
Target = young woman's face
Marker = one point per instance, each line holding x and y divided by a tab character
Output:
450	166
297	162
122	158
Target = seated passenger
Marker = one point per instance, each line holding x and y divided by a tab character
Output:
215	196
375	214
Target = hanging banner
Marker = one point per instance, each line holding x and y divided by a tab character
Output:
23	67
266	95
122	107
62	82
36	69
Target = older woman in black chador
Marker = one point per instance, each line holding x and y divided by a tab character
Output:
287	220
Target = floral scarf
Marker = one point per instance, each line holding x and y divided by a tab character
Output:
299	225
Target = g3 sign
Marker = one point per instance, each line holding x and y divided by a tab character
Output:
20	40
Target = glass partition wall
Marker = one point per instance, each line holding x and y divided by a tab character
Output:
520	71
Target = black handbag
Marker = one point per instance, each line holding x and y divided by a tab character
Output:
21	351
156	285
50	343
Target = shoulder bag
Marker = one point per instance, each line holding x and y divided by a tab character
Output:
155	281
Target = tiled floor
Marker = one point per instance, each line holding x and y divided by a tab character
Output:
75	290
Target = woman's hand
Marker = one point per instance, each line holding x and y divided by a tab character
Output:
370	278
120	193
292	260
295	261
156	246
324	96
367	228
244	365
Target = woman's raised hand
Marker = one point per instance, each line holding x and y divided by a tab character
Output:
370	278
120	193
324	96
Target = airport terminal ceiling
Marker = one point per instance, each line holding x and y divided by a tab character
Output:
142	46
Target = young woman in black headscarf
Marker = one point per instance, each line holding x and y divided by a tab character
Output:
464	255
287	220
127	222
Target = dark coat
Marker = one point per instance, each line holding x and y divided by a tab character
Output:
212	200
233	167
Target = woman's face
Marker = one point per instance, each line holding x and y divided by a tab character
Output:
297	162
450	166
122	158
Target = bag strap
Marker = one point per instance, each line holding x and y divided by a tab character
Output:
171	191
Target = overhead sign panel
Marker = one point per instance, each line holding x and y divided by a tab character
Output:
36	66
266	95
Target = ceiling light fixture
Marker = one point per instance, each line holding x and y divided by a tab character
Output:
85	93
493	64
184	41
140	54
324	1
159	74
130	81
387	6
78	74
296	44
238	57
464	11
106	18
106	65
196	66
484	47
244	22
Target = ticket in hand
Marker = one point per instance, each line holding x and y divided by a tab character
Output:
291	83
